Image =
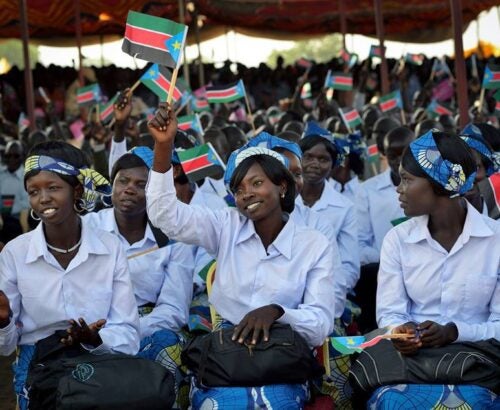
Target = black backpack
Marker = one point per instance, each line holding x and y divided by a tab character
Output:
71	378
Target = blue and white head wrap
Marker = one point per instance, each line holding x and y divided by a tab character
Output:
94	184
473	136
341	144
272	142
447	174
238	156
144	153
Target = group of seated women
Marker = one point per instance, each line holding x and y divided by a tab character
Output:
285	255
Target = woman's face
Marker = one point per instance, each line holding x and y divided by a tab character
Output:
295	168
316	164
257	197
128	194
481	170
416	195
51	197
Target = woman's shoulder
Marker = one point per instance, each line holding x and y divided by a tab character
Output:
19	244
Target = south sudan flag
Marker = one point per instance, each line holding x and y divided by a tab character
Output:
225	93
158	79
154	39
200	162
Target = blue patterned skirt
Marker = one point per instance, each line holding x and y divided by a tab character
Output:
433	396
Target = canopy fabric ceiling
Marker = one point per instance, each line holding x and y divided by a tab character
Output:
53	22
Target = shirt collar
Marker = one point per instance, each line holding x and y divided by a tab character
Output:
283	242
109	225
474	225
91	244
329	197
385	180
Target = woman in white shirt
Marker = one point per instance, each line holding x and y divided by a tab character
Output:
64	273
439	277
268	268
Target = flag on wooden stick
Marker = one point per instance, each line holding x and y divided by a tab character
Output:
154	39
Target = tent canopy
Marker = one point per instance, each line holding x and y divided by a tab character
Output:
418	21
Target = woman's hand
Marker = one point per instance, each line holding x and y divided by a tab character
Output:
80	332
407	346
433	334
5	312
256	322
163	126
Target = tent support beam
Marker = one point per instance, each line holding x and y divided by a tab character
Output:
78	30
460	74
379	23
28	76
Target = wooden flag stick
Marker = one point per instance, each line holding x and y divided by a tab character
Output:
403	116
250	113
398	336
144	252
172	86
481	101
136	84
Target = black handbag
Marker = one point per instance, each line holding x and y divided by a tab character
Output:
476	363
218	361
63	379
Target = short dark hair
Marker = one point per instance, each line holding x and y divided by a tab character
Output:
274	170
63	151
309	142
452	148
126	161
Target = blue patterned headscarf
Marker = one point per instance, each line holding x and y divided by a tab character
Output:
473	136
341	145
144	153
447	174
270	141
356	144
94	184
238	156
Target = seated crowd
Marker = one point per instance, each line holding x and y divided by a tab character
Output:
387	230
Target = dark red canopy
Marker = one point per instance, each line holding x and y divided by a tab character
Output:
410	20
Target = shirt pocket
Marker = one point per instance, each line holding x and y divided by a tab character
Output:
479	291
98	306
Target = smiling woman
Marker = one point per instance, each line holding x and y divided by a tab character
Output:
269	269
50	276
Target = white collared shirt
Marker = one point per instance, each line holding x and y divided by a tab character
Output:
350	188
419	280
340	212
295	271
43	296
305	216
377	205
163	277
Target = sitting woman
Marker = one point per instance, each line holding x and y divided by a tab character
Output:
269	269
64	273
161	274
439	271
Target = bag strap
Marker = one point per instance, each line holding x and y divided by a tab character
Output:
204	355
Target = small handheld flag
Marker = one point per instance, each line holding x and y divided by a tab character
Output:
88	95
350	117
199	104
225	93
415	59
154	39
200	162
338	81
372	151
187	122
305	92
376	51
356	344
491	78
159	79
391	101
497	102
106	110
436	109
304	63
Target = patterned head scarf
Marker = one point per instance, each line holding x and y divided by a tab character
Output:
238	156
270	141
356	144
447	174
144	153
341	145
94	184
473	136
